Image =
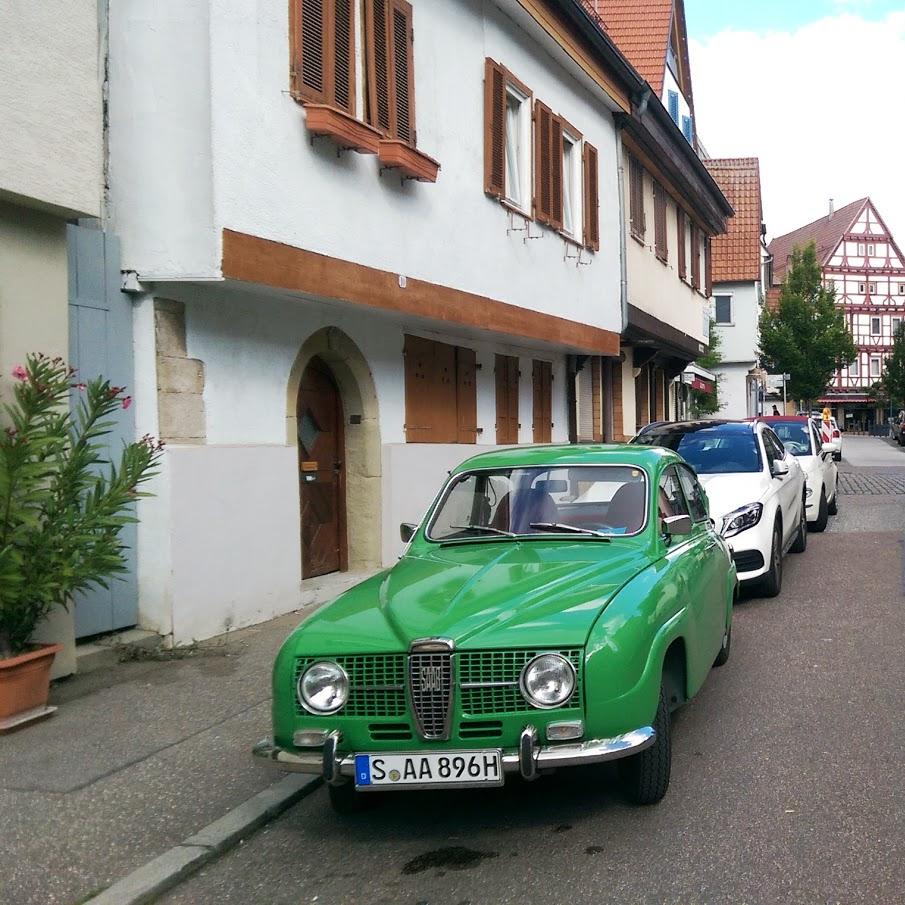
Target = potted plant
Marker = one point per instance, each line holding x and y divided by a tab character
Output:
62	505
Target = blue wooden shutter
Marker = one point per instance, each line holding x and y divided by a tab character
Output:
686	128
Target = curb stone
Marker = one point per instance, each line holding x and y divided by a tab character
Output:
153	879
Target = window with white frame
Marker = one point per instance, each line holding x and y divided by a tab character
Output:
875	366
571	185
861	288
722	309
860	249
854	369
896	323
872	288
875	326
518	147
901	288
870	250
831	285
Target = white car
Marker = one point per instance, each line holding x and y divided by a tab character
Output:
831	435
801	437
756	491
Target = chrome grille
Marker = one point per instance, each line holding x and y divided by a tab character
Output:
430	691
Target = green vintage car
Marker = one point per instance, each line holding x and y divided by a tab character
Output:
553	607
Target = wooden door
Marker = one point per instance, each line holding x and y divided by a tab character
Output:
321	472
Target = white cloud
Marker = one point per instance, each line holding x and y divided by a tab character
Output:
822	107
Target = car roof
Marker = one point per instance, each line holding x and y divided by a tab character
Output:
703	424
556	455
771	419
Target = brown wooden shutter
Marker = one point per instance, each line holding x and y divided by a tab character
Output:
708	268
636	198
556	130
543	126
660	246
323	52
695	258
680	236
378	95
342	44
507	385
307	29
494	129
542	378
591	200
400	44
466	396
431	391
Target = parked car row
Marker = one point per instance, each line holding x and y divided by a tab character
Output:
768	481
553	608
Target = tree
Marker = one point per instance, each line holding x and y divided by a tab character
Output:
703	403
806	336
892	382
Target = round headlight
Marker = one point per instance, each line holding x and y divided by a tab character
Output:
323	687
548	681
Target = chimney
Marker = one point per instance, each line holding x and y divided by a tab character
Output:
831	207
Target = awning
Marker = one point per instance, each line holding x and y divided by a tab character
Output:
847	400
699	378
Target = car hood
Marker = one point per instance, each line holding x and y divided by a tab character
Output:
727	492
481	595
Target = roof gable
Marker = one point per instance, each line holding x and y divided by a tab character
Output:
735	255
826	233
641	30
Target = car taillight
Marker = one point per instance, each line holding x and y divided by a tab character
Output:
835	435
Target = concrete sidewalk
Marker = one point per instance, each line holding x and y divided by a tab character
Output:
138	757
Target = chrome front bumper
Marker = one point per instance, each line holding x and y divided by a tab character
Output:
529	759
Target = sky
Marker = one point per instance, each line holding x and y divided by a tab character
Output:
816	90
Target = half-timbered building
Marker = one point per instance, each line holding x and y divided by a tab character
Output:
862	263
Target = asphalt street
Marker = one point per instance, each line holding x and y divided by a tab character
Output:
786	784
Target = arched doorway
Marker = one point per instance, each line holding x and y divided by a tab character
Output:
330	375
322	487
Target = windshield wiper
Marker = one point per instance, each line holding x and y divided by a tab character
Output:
485	528
575	529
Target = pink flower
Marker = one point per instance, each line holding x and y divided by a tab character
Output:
127	401
20	373
79	386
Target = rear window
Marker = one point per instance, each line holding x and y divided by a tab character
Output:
717	449
795	436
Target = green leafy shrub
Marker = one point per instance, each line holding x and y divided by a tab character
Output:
62	504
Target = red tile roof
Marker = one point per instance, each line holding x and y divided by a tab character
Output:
826	233
736	253
640	29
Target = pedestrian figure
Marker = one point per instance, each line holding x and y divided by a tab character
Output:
775	409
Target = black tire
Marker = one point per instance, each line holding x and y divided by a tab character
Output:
833	505
771	583
837	457
823	514
901	439
723	656
645	776
346	799
800	544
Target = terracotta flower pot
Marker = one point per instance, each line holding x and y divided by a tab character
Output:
25	685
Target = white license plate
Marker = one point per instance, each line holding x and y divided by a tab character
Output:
434	768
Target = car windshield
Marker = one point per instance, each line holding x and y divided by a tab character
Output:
577	500
795	436
709	449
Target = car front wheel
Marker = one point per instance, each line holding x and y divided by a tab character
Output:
771	583
800	544
822	513
833	505
723	656
645	776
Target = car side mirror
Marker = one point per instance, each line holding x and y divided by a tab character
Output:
780	469
677	524
826	448
407	531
